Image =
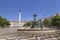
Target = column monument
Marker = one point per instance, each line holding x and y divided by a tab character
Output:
20	18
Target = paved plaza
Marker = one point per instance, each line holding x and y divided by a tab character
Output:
13	34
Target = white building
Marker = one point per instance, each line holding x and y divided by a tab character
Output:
16	24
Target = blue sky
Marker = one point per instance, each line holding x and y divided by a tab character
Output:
44	8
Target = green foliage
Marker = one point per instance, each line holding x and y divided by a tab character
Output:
47	22
4	22
56	20
27	24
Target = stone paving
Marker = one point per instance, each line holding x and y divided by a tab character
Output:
14	35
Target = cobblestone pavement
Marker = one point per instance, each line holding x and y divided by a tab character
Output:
12	34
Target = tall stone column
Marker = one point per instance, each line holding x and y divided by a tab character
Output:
20	18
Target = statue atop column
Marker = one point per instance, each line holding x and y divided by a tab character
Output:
20	18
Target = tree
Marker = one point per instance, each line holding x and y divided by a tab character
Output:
1	21
4	22
56	21
27	24
47	22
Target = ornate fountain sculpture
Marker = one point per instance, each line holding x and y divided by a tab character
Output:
35	22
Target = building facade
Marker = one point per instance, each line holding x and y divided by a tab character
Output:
16	24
